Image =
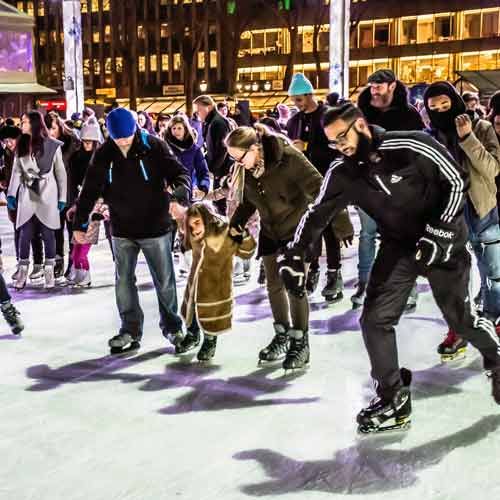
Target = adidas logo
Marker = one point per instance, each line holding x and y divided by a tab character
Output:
395	179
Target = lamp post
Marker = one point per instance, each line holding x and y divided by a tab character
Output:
73	59
203	86
339	46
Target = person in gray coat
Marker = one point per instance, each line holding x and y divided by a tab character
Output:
37	190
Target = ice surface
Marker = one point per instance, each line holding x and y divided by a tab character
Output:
78	425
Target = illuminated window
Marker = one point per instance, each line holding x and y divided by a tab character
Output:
86	67
95	7
107	33
164	30
141	34
164	62
472	25
97	67
213	59
425	29
105	5
41	8
108	65
142	64
20	6
53	36
95	36
381	34
31	10
201	60
490	23
84	6
365	35
119	64
408	32
42	38
177	62
153	62
443	28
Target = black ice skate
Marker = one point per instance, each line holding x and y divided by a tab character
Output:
207	351
453	347
278	346
13	317
124	343
411	303
312	281
189	342
59	270
359	296
383	415
175	338
495	385
333	291
261	279
298	354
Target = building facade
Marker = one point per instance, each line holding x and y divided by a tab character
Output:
140	46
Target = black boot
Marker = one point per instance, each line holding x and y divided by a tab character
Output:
190	341
207	351
495	385
312	281
13	317
388	414
124	343
59	268
277	347
334	286
298	352
359	295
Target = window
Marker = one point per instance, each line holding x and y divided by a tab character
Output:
382	32
41	8
105	5
201	60
177	62
408	70
153	62
164	62
213	58
95	8
365	36
97	67
20	6
490	23
42	38
164	30
31	10
141	34
84	6
108	65
472	25
425	29
408	31
53	36
107	33
86	67
443	28
95	37
119	64
142	64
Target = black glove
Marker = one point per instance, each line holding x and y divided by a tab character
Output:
237	233
180	195
292	270
436	245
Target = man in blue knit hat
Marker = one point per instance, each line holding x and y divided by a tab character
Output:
305	129
130	171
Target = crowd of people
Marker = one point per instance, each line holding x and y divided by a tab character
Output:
225	190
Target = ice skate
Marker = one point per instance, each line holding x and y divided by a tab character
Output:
452	348
50	281
15	273
189	342
207	351
312	281
123	343
495	385
383	415
59	271
333	290
175	338
359	295
13	317
82	278
278	346
298	353
37	274
261	279
22	276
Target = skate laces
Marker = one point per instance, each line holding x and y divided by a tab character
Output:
450	339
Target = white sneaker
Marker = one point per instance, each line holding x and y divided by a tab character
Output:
22	276
50	281
82	278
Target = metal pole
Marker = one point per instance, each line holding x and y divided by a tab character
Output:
339	46
73	57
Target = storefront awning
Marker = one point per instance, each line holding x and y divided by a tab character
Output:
487	81
24	88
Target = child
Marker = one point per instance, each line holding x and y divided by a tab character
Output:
208	298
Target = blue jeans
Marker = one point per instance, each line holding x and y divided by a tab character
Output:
486	246
367	245
158	254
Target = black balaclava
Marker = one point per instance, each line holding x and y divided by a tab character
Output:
444	120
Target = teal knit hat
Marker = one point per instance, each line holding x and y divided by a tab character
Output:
300	85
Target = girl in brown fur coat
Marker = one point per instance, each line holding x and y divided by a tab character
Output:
208	298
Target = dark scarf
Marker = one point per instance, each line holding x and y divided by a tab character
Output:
182	145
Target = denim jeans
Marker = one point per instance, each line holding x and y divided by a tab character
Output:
28	231
367	245
486	246
158	254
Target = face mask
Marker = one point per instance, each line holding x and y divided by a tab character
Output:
364	148
443	120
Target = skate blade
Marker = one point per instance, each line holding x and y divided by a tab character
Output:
291	371
333	299
460	354
187	352
400	425
125	351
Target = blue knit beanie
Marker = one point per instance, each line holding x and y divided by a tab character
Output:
300	85
120	123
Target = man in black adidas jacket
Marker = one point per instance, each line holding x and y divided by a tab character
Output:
130	171
415	192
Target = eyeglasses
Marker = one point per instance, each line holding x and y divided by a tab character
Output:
341	138
236	160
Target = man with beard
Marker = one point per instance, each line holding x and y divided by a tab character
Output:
415	192
473	144
384	102
306	131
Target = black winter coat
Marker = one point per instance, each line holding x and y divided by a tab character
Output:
401	115
134	187
410	181
215	129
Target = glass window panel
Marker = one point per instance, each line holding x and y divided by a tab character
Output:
364	73
16	52
472	25
97	67
488	60
408	31
424	30
365	36
408	70
213	58
490	24
142	64
164	62
201	60
307	41
381	34
177	61
153	62
119	64
108	66
443	28
107	33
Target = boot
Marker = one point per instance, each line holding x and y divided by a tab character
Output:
175	338
59	268
312	281
359	295
189	342
278	346
49	271
37	273
334	286
13	317
71	277
495	385
207	351
453	347
22	276
261	280
298	352
82	278
16	272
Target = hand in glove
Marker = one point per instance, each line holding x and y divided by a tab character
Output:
292	270
11	202
436	245
237	233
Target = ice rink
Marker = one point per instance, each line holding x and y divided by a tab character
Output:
80	425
